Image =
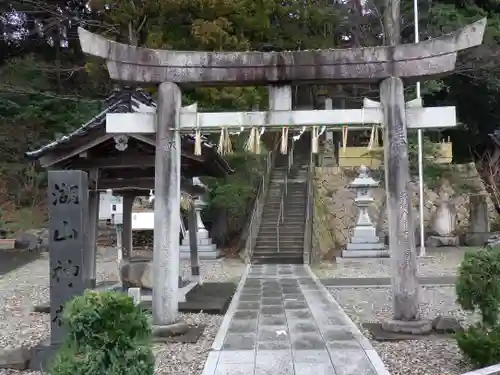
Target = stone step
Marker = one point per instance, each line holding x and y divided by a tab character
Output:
283	232
286	227
289	225
278	260
285	243
272	249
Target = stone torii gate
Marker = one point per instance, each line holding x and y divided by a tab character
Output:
386	65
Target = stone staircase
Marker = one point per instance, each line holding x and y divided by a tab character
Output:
290	249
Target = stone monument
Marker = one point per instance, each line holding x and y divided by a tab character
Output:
443	224
68	213
479	222
364	242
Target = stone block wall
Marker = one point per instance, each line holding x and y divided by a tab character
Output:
335	212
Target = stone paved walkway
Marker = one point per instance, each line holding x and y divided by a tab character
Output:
282	321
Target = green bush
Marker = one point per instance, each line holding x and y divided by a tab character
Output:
478	284
478	290
107	335
480	344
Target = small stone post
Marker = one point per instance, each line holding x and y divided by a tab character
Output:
405	288
193	244
92	231
127	243
167	206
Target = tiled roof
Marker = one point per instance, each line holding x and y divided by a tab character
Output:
120	101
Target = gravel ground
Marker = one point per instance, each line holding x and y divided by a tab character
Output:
438	263
27	286
416	357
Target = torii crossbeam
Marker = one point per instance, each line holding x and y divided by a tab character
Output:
424	60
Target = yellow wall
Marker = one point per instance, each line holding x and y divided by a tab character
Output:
357	156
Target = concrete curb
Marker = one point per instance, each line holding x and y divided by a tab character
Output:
492	370
371	353
221	334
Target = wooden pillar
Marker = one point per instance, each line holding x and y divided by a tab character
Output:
126	232
193	244
89	257
167	206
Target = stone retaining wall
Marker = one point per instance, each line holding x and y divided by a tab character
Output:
335	212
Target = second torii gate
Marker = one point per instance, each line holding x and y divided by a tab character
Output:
386	65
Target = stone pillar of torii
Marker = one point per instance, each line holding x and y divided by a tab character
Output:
384	65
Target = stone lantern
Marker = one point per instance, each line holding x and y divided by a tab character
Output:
206	249
364	242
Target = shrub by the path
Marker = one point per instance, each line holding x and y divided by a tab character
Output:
107	335
478	290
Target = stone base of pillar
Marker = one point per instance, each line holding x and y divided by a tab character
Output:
365	244
414	327
442	241
206	249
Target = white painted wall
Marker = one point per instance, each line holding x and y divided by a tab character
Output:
109	205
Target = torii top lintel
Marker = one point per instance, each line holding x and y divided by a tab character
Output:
424	60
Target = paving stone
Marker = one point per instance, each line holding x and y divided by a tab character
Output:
289	282
338	334
245	314
243	305
245	297
272	301
299	314
273	333
271	293
235	369
272	310
325	320
237	356
274	362
271	283
301	326
309	288
240	341
311	356
308	341
251	290
295	305
343	344
243	326
324	368
272	320
253	283
351	362
294	297
288	291
273	345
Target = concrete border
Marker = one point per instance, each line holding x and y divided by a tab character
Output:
371	353
221	334
491	370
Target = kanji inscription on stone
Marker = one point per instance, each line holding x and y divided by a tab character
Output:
68	212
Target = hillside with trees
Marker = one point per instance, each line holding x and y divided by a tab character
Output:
48	87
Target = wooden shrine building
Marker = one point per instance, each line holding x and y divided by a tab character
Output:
123	163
